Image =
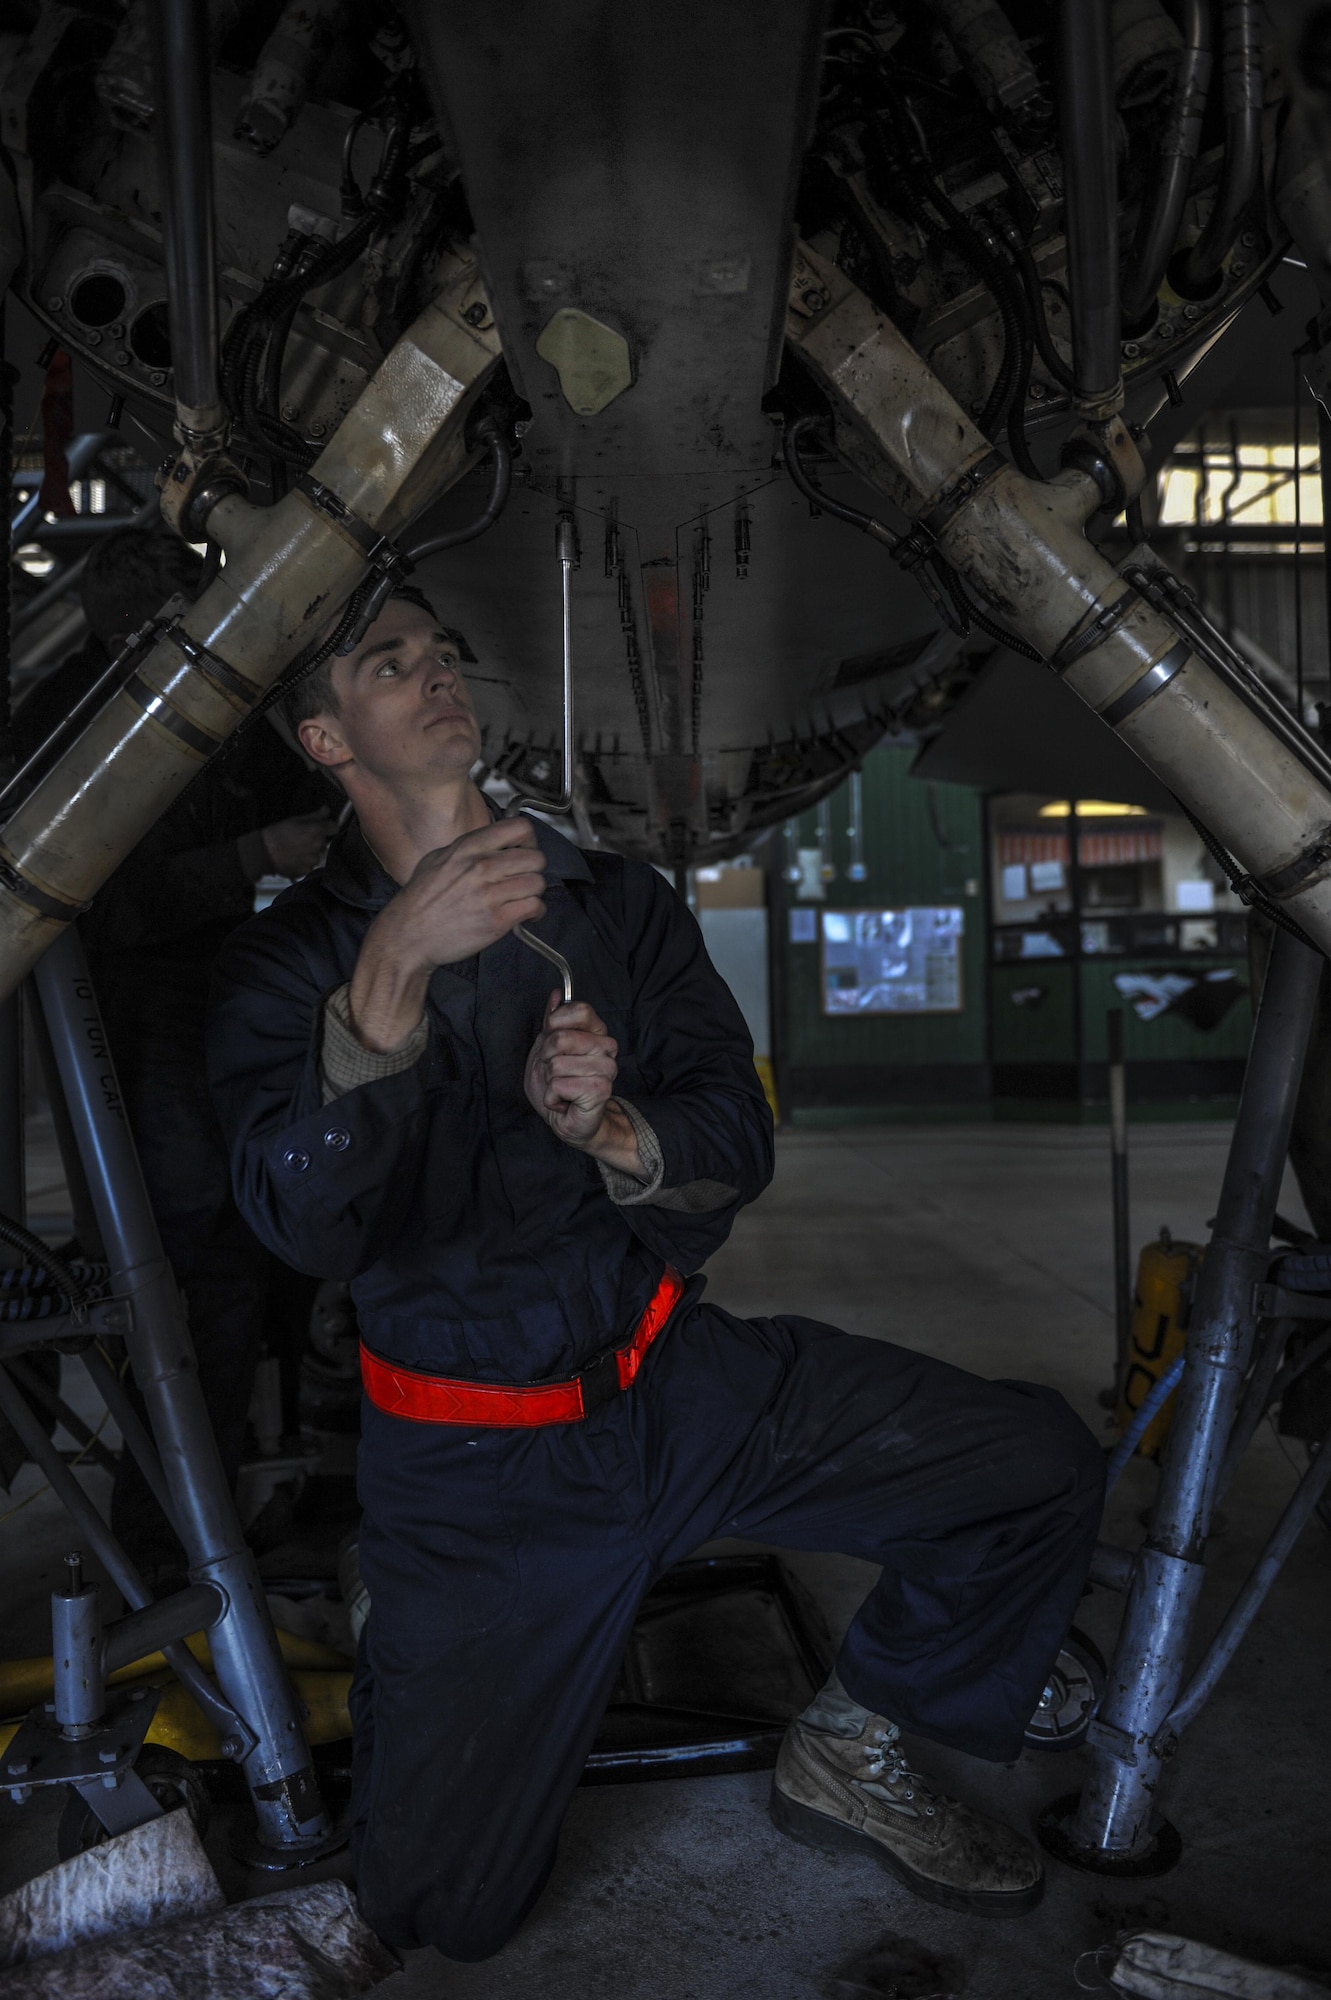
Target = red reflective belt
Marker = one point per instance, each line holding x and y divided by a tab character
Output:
442	1399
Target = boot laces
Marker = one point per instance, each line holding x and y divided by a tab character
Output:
887	1765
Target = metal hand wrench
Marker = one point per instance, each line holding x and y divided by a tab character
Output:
566	543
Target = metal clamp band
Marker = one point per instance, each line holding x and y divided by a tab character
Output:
146	697
225	678
1080	642
393	564
1149	683
1285	881
335	508
40	900
963	490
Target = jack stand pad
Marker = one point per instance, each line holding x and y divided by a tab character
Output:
1163	1851
252	1852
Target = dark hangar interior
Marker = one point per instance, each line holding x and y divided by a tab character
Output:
665	1057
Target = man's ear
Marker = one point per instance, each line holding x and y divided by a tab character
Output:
321	739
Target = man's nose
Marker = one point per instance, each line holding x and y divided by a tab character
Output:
443	676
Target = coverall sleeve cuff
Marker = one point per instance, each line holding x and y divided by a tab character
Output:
346	1063
626	1190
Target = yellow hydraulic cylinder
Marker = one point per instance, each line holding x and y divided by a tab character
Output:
1166	1275
320	1674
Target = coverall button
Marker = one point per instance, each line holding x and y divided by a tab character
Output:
338	1138
296	1159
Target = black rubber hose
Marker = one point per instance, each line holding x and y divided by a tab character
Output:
1002	396
270	398
1162	212
912	182
1016	416
252	330
34	1277
1196	271
307	662
57	1270
1087	129
992	271
501	454
981	619
182	98
1030	278
868	524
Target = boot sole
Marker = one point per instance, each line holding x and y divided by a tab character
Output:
833	1836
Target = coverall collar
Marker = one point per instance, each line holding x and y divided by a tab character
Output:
355	875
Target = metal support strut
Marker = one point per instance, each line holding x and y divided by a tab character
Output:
1112	1828
566	544
265	1733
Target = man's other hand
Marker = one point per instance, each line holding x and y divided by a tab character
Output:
295	847
570	1080
460	899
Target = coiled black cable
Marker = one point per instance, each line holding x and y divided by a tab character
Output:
307	662
972	614
1030	278
72	1288
36	1277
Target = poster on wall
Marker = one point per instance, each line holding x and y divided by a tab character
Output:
892	961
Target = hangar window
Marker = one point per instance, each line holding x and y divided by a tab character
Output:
1241	483
1240	517
1095	878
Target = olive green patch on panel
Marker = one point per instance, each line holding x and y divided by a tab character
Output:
591	360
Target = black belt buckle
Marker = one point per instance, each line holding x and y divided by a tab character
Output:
599	1382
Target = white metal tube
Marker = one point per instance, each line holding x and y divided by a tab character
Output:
566	544
289	568
1020	545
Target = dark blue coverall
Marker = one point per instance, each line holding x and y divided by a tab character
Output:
504	1566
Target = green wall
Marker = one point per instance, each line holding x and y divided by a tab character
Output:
923	845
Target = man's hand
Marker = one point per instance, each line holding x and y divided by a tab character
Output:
460	899
296	846
569	1080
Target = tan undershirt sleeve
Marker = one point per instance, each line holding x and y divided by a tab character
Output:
626	1191
345	1063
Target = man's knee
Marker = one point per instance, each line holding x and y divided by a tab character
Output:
1065	1450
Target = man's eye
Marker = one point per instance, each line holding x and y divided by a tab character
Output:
384	669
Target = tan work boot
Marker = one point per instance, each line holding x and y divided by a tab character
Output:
837	1790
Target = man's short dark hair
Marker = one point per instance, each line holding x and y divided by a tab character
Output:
315	693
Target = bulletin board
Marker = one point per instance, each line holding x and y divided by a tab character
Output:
892	961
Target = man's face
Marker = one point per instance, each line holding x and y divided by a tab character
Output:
404	713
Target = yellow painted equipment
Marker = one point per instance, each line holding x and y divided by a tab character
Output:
1166	1274
321	1676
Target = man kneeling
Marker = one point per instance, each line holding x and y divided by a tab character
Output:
519	1192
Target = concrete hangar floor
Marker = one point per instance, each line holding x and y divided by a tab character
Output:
988	1246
